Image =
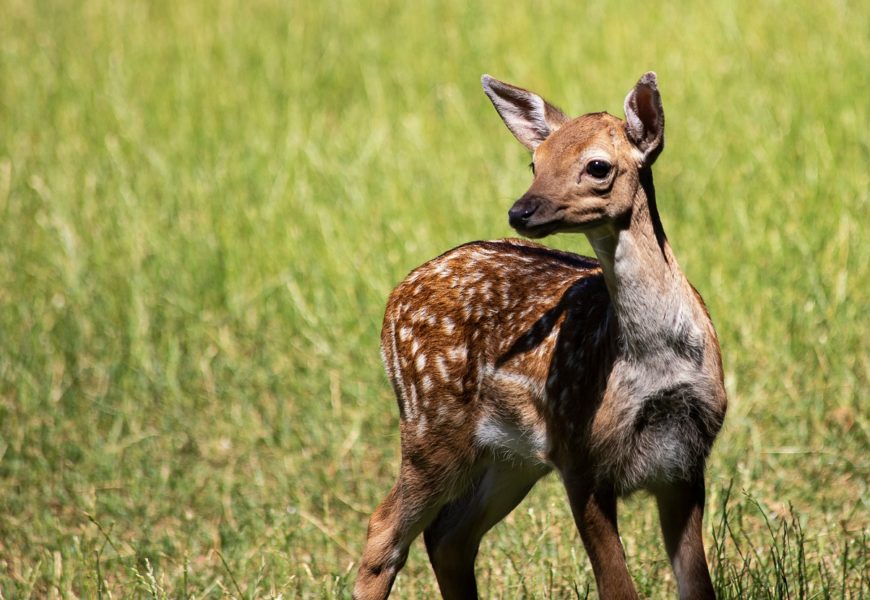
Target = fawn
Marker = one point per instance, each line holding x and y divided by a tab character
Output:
510	359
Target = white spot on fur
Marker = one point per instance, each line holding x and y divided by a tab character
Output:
486	290
447	324
441	364
443	270
517	381
505	296
542	350
458	353
412	399
421	426
421	361
397	373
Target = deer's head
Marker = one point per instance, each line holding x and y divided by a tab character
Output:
587	170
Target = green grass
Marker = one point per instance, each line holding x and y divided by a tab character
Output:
203	206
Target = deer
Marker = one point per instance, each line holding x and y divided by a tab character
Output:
510	360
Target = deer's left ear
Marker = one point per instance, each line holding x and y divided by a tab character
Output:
645	118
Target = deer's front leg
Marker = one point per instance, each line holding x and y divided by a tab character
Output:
595	514
681	512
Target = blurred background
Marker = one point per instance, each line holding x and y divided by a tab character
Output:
203	207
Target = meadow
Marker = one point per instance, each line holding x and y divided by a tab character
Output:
203	207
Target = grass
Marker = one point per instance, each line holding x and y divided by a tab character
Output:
203	206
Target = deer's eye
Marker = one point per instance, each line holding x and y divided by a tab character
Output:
598	168
532	167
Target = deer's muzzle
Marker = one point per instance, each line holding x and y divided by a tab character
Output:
522	210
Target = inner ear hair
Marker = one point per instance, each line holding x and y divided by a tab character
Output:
527	115
645	117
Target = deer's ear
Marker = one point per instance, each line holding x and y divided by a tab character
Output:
529	117
645	118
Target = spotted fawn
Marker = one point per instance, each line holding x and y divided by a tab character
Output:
510	360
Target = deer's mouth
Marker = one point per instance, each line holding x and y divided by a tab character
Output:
537	230
557	224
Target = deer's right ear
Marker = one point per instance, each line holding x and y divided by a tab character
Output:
529	117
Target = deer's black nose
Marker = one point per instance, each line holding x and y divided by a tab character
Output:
522	211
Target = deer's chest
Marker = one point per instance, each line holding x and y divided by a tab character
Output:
638	423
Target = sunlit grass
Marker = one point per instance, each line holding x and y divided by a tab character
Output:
205	204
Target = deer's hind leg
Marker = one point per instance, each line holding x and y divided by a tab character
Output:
437	464
453	538
396	522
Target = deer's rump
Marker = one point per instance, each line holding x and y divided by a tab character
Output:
468	340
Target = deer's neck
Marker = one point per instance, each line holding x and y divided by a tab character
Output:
654	304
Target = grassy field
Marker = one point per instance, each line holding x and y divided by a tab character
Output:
203	206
